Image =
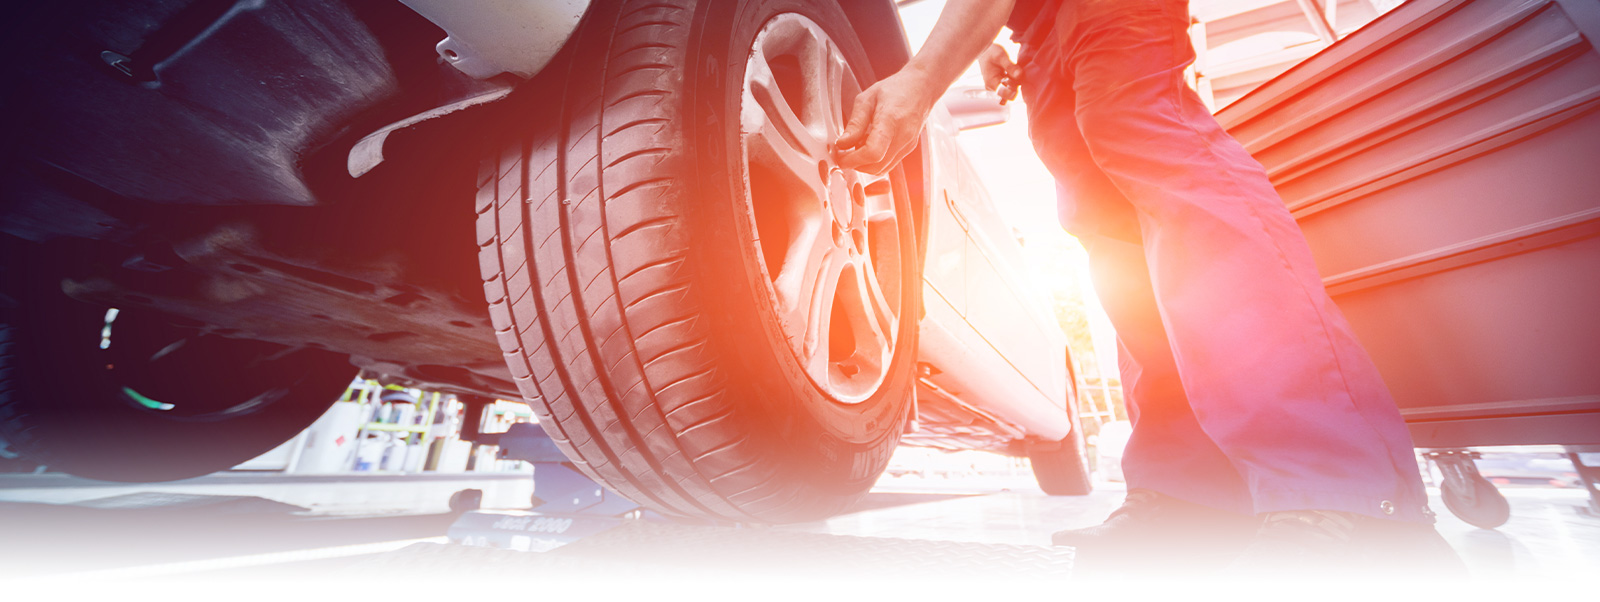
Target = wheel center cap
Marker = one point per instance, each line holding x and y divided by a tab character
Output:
839	198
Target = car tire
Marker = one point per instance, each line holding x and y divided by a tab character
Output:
1062	467
636	254
81	394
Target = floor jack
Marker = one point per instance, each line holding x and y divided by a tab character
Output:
567	505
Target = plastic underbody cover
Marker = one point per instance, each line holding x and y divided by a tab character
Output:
486	38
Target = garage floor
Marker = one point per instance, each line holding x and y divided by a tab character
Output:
60	530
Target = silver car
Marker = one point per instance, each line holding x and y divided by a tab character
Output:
625	212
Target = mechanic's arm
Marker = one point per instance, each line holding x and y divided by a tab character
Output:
888	116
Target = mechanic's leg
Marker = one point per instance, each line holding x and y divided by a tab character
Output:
1168	452
1270	367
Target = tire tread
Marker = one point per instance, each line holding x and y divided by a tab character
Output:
610	213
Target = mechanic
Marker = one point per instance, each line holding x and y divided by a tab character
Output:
1263	432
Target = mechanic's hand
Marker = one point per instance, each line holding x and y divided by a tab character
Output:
999	73
885	123
995	65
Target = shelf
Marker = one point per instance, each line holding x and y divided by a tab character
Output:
394	428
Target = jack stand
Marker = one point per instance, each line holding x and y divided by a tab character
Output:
1589	473
567	506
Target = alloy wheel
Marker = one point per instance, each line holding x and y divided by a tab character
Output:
828	237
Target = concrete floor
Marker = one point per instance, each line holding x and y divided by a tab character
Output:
355	495
1550	534
56	526
330	520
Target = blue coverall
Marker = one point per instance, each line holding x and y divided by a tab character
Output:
1246	386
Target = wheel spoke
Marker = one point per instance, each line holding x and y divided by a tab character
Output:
810	273
877	199
881	316
820	327
841	90
770	101
815	69
858	332
880	240
769	146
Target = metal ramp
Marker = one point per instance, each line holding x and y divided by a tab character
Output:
642	548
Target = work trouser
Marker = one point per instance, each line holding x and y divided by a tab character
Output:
1247	388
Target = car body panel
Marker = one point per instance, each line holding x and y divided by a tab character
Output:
987	336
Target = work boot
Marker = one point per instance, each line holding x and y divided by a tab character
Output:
1323	544
1154	532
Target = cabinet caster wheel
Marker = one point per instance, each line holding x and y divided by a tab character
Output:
1479	503
1467	494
